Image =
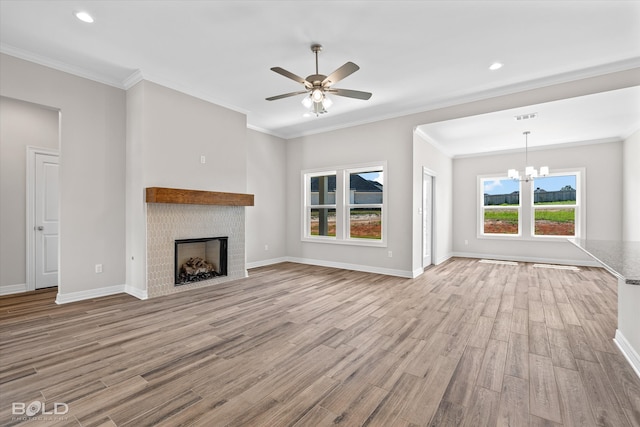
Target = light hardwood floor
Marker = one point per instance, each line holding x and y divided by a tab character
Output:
467	343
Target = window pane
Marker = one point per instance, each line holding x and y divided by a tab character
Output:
323	190
365	223
555	190
501	221
366	187
555	222
323	222
501	192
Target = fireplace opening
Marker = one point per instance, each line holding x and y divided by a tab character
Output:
200	259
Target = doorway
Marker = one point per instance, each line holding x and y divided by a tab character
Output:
428	190
42	218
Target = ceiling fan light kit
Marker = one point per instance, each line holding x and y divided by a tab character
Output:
317	86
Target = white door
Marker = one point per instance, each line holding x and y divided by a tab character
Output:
46	220
427	219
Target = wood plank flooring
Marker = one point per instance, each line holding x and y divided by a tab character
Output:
465	344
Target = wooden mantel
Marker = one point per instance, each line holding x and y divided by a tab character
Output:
197	197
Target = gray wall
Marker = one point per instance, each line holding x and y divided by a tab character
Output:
266	180
92	169
22	124
425	155
392	140
603	201
379	141
629	295
96	158
167	133
631	188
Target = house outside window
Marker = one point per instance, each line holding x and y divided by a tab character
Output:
322	210
556	207
345	205
500	207
364	204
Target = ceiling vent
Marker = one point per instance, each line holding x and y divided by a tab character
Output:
526	116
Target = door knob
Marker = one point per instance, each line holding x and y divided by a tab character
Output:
40	228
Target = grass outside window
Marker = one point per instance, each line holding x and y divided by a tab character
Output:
501	221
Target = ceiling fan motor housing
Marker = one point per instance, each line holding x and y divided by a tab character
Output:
317	79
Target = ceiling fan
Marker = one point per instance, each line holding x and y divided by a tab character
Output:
317	85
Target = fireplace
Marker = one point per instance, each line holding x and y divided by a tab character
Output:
200	259
173	214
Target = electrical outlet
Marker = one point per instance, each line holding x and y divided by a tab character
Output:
98	268
466	242
266	247
390	254
203	159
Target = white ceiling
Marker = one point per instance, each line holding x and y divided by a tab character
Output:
414	56
602	117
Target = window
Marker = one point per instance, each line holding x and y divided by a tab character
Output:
555	208
500	206
322	210
364	204
555	205
345	205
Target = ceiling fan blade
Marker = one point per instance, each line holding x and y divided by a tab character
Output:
350	93
339	74
285	95
291	76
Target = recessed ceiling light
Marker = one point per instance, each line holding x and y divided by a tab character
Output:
495	66
84	17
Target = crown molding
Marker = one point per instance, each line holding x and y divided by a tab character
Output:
569	144
138	75
265	131
59	65
133	79
541	147
184	88
481	95
436	144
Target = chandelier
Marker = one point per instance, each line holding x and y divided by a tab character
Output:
530	173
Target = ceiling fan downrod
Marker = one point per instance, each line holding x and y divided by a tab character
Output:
315	48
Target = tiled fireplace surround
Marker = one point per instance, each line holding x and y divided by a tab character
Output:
167	222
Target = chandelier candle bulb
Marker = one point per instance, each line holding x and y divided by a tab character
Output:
530	173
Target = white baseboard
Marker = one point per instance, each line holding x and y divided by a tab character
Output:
266	262
418	271
538	260
92	293
357	267
13	289
628	352
136	292
442	259
345	266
